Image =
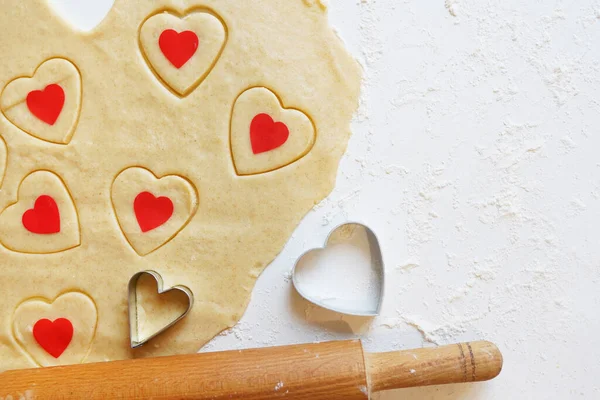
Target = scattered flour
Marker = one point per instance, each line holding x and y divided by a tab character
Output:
452	6
474	158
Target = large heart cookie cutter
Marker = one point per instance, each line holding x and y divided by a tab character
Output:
134	333
353	235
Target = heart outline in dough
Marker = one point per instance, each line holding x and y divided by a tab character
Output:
250	104
134	334
75	109
182	15
139	241
63	300
376	261
60	192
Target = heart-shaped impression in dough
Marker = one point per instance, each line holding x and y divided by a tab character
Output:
347	275
182	50
46	105
151	211
44	220
57	332
266	136
153	309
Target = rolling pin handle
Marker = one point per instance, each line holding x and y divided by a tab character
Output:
458	363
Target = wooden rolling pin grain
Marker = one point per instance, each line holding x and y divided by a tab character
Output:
326	371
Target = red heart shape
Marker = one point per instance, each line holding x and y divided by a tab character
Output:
266	134
43	218
152	212
178	47
47	104
54	337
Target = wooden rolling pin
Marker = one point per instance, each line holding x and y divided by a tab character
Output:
327	371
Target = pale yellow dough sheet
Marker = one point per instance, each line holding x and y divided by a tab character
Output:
184	137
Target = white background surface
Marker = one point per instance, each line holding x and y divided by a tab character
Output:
476	158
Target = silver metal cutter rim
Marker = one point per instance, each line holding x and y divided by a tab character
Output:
132	306
376	262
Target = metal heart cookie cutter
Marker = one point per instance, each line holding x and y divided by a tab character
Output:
346	275
134	334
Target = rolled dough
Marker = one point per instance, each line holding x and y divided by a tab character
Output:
121	152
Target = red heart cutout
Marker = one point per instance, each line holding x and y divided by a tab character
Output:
54	337
43	218
178	47
47	104
152	212
266	134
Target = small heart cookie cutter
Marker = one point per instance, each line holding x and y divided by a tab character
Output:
133	307
376	262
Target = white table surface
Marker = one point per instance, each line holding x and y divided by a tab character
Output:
476	158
